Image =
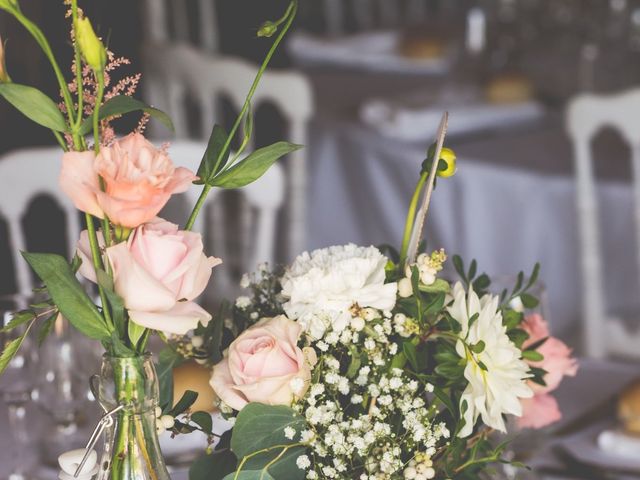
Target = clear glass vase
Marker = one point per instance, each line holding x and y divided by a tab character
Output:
132	450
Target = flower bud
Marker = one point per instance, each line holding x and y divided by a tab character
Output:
90	45
4	76
267	29
405	289
446	163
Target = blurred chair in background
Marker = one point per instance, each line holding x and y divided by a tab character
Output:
177	74
25	175
371	14
253	234
605	334
168	21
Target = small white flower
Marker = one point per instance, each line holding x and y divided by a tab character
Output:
245	282
303	462
405	289
357	323
243	302
297	385
289	433
197	341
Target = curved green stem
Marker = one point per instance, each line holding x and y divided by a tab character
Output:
78	62
289	15
97	264
39	37
411	217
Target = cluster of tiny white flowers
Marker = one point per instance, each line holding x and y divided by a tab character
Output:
364	416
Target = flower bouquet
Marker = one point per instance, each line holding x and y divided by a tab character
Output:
148	272
365	363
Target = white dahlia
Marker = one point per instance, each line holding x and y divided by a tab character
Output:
497	375
322	285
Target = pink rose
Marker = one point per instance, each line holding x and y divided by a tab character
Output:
138	180
158	272
557	362
264	364
539	411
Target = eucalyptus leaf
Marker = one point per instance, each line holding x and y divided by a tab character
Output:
68	295
261	426
251	168
34	105
214	466
123	104
251	475
203	420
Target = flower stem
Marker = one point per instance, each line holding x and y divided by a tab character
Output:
411	217
39	37
78	62
97	264
289	15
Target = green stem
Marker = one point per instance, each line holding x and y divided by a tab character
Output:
39	37
78	61
97	264
60	141
411	218
290	15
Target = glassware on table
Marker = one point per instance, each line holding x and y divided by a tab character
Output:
62	390
16	387
132	450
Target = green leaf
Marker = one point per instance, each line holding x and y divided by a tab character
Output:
478	347
459	266
167	361
212	163
250	475
532	356
34	105
46	327
261	426
122	104
10	351
534	276
473	268
285	465
411	352
439	286
213	467
68	295
529	301
203	420
251	168
119	348
136	332
115	301
355	363
188	399
18	318
446	401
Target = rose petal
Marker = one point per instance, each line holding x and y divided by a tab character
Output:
222	384
184	316
79	180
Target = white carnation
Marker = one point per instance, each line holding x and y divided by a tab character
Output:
497	375
321	286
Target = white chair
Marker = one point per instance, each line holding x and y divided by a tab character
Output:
178	72
25	174
254	237
586	116
159	21
371	14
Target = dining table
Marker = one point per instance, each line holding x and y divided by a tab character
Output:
512	202
585	400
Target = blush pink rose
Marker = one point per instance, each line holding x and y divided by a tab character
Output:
158	273
539	411
557	362
138	180
264	364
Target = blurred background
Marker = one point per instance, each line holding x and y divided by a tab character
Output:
544	119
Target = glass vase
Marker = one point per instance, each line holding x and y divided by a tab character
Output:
131	450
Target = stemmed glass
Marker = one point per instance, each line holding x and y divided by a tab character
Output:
16	386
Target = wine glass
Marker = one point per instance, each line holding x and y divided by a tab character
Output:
16	386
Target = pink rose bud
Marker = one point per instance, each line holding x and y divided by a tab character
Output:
158	273
264	364
138	180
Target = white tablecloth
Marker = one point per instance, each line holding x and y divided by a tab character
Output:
577	396
507	212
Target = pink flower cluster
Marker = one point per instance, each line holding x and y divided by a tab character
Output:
542	410
159	270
